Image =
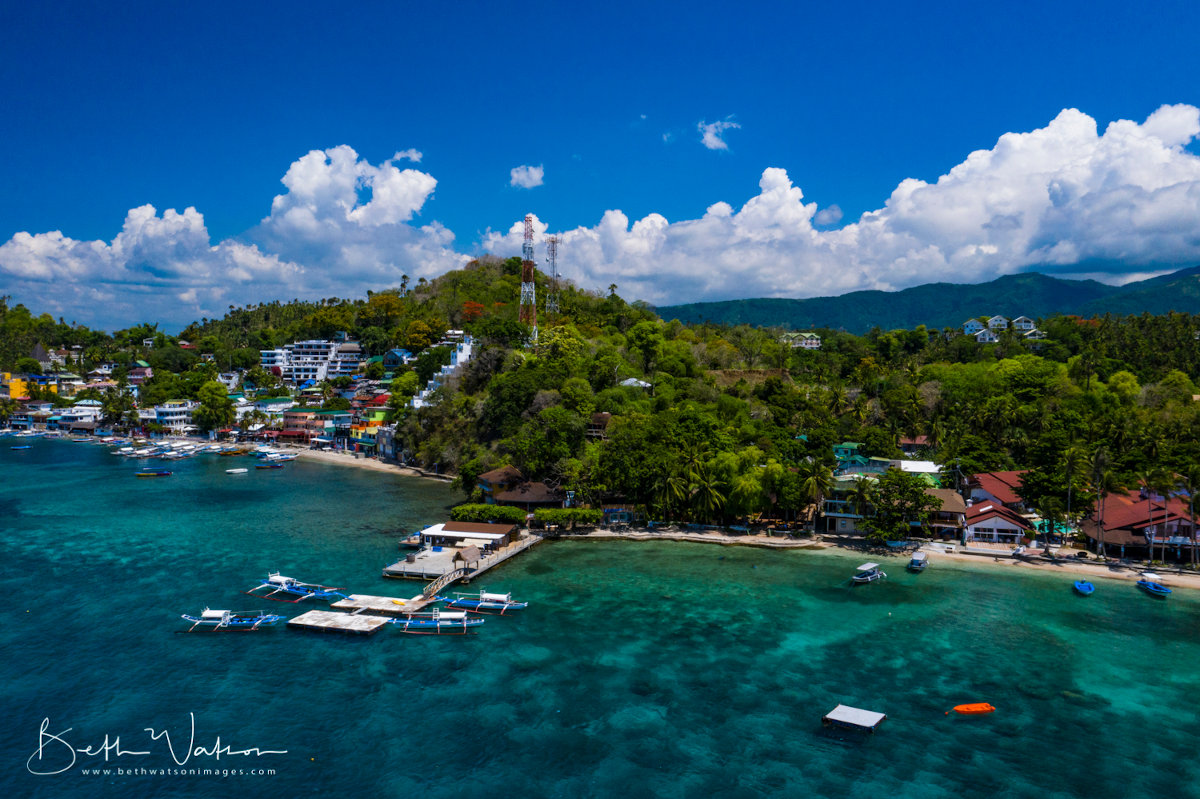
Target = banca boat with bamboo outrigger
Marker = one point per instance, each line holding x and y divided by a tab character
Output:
437	622
232	620
485	602
868	573
280	584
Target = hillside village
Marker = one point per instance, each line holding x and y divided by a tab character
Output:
1004	432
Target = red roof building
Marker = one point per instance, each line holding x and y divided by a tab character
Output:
1129	520
994	522
997	487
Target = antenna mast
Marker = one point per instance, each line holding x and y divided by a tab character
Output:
528	310
552	259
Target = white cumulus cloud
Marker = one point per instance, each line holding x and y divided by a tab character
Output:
341	227
712	133
526	177
1064	197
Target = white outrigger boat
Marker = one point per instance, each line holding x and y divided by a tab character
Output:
869	573
484	602
232	620
289	585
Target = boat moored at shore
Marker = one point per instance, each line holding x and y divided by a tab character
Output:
279	584
868	573
485	602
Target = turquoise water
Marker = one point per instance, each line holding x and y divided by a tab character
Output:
640	669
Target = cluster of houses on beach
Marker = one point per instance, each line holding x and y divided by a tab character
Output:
304	367
986	508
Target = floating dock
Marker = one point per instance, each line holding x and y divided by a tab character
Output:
381	605
329	622
853	718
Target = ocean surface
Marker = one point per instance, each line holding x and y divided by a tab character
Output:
639	669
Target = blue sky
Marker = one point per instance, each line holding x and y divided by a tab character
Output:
112	108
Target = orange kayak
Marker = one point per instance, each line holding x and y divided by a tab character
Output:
976	709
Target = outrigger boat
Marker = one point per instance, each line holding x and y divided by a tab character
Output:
869	572
484	602
918	563
439	622
232	620
289	585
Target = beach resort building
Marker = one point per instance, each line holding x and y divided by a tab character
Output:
176	415
1127	523
486	536
995	523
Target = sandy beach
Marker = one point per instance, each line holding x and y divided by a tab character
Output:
348	459
1091	570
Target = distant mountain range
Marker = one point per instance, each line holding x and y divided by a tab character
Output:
950	304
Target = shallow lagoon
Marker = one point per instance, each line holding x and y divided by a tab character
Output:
640	669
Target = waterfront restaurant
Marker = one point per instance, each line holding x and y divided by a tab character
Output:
488	537
1128	524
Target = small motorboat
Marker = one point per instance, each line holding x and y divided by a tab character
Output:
154	474
262	466
236	471
1084	588
868	573
918	563
973	709
23	446
1153	589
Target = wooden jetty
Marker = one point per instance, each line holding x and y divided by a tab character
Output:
381	605
449	572
853	718
330	622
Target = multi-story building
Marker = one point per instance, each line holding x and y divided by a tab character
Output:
176	414
313	360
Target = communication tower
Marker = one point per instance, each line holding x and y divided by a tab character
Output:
552	260
528	310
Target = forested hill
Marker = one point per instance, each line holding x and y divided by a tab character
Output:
939	305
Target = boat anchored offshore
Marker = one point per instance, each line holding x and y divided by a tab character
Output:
484	602
439	622
918	563
289	585
231	620
154	474
973	709
1153	589
236	471
1084	588
868	573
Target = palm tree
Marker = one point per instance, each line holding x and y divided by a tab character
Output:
706	494
1191	478
1104	483
862	496
816	480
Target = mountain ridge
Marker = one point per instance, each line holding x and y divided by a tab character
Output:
1031	294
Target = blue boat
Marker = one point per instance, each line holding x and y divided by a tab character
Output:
439	622
1153	589
1084	588
293	587
484	602
868	573
231	620
23	446
919	562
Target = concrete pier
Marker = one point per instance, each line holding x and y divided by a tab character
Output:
431	567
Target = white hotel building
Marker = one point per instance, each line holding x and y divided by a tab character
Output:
315	359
